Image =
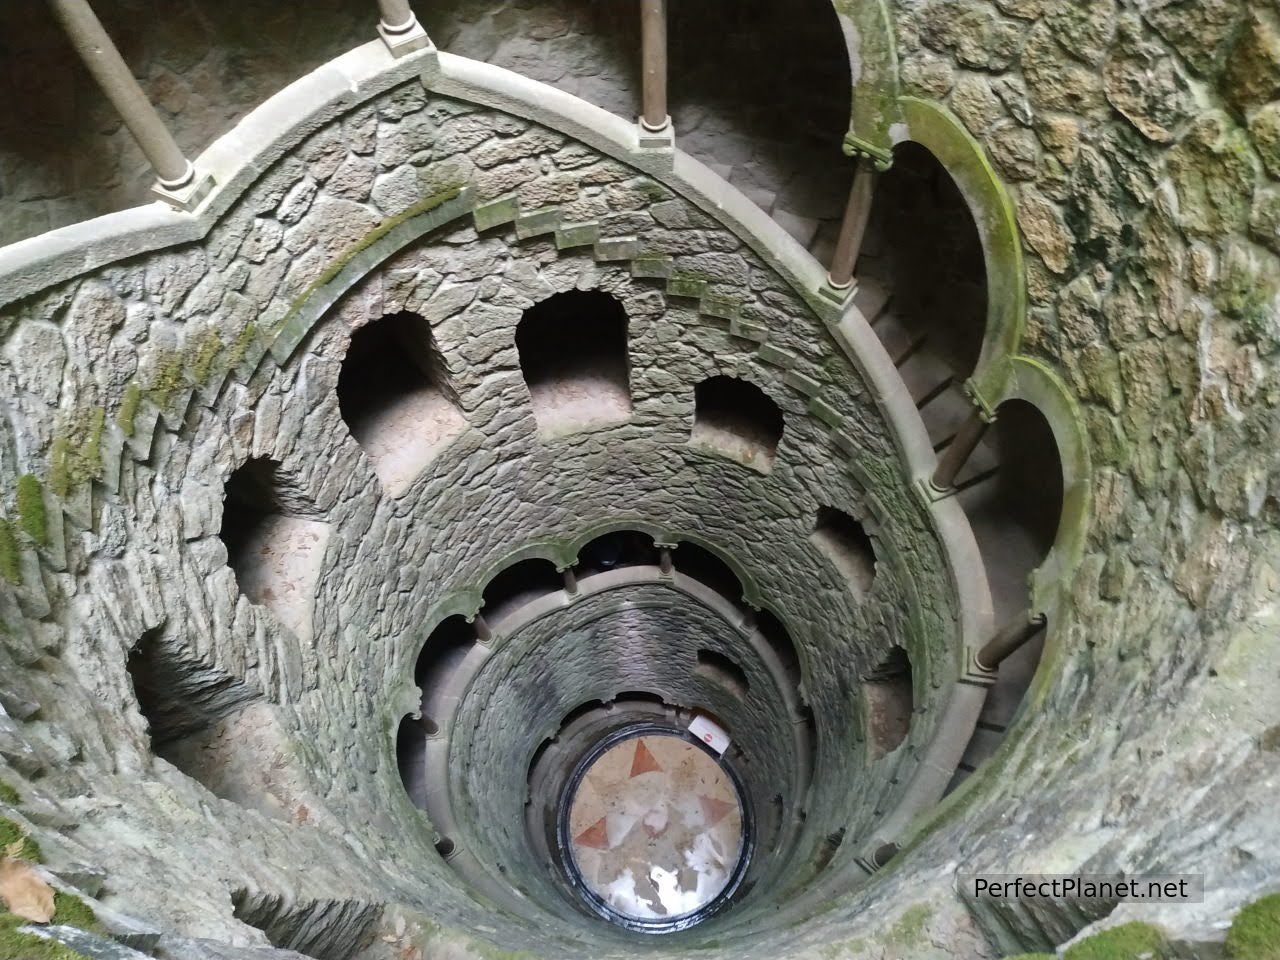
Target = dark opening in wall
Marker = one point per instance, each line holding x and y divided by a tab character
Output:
180	695
573	354
447	646
889	701
275	545
627	698
324	929
436	674
777	79
1012	491
699	563
518	584
738	420
846	544
411	756
923	285
621	548
779	641
827	849
719	669
396	398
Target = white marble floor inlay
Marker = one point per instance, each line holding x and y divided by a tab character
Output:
656	828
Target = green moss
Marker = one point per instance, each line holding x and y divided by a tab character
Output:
1125	942
70	911
76	457
206	353
9	795
129	408
11	833
330	272
908	929
241	345
170	378
23	946
59	472
1255	931
31	514
1032	956
10	553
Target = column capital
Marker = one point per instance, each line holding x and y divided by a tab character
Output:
855	146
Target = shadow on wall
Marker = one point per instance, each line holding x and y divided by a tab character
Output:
758	87
64	154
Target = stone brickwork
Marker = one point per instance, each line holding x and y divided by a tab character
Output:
1139	144
139	388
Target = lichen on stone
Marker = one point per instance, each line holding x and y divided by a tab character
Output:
10	553
129	408
31	511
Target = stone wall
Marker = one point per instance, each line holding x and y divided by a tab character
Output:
1139	142
138	388
757	89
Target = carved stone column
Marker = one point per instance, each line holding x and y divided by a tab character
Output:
853	227
177	182
655	122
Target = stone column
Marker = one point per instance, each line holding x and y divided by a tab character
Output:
853	228
1008	640
655	123
400	29
959	451
173	170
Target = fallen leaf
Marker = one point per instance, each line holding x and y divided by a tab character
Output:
24	893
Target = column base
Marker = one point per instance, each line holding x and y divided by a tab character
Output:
933	494
664	138
406	39
977	674
840	296
188	197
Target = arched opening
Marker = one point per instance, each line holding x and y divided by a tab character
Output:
518	584
922	284
736	419
760	92
274	549
888	700
615	550
323	929
447	646
780	643
699	563
411	756
1012	492
396	399
573	354
845	542
180	696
